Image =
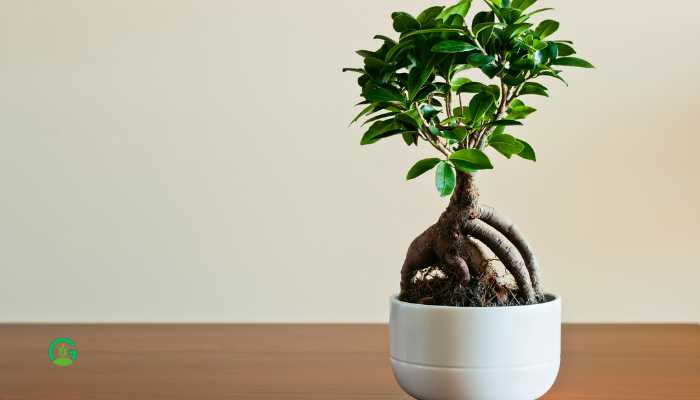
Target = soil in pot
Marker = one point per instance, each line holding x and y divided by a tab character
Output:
439	286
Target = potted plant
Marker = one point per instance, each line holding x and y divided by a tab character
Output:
471	320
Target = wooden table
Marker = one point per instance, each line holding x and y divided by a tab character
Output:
308	362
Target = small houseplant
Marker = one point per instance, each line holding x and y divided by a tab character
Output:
456	82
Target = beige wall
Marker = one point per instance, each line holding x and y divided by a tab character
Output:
191	161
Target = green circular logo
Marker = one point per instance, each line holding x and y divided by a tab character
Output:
62	352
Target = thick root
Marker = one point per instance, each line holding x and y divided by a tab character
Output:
511	232
505	252
476	257
420	255
483	262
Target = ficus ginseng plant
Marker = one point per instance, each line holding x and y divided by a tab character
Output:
456	83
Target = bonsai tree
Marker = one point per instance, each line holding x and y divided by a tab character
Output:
458	87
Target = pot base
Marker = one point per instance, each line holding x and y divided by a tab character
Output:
475	353
425	382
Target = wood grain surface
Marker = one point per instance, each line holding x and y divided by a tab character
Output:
310	362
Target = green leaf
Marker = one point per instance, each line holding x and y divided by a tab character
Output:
359	70
564	49
385	39
410	137
457	82
425	91
537	12
460	133
479	104
546	54
528	152
454	21
546	28
416	79
461	9
404	22
515	30
450	121
522	64
422	167
518	110
395	51
479	60
379	93
514	79
533	88
472	87
572	62
463	166
374	66
554	74
505	144
432	30
495	6
364	111
429	15
510	15
483	17
455	134
365	53
453	46
379	116
506	122
552	51
445	178
522	4
472	158
434	130
461	112
491	70
380	130
410	118
482	26
429	111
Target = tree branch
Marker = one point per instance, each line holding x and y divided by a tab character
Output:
502	107
427	136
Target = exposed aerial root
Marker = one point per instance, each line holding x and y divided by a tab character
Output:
420	255
511	232
505	252
483	262
476	258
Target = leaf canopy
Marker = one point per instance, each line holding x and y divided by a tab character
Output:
455	81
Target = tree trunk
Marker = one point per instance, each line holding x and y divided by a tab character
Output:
465	197
444	243
448	244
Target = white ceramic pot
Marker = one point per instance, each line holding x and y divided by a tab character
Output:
475	353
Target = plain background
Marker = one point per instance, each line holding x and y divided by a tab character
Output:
191	161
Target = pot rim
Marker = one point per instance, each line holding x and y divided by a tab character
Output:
394	299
